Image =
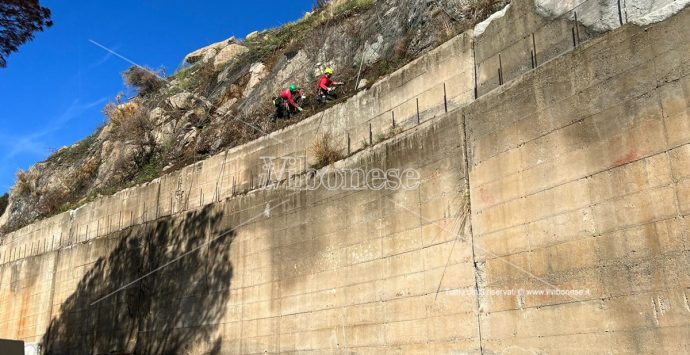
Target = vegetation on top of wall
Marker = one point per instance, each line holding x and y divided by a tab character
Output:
149	171
324	153
129	122
23	185
266	44
199	77
77	152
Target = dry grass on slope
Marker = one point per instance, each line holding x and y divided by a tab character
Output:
324	153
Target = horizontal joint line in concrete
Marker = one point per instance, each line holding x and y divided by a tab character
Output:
618	197
585	177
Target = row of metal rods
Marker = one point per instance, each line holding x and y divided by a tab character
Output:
394	123
575	30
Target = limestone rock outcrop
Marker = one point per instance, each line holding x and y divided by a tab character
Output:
207	53
228	53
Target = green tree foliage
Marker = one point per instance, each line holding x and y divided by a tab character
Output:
4	200
19	20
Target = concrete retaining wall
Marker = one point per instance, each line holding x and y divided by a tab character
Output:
534	32
578	180
297	270
572	176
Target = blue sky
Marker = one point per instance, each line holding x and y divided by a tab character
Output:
53	89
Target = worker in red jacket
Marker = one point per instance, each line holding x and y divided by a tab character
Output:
327	86
286	104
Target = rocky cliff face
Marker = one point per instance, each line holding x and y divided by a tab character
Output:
223	97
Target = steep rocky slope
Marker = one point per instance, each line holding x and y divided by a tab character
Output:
222	98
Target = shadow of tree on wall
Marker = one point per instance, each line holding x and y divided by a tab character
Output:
174	310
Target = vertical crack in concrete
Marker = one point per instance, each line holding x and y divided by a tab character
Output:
478	274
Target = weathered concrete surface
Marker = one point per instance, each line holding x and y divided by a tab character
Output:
577	176
515	43
322	270
532	32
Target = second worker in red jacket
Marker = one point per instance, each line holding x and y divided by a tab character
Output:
327	86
